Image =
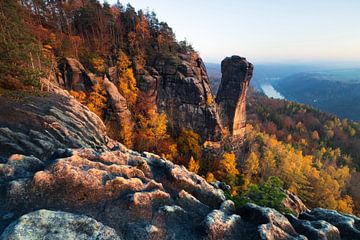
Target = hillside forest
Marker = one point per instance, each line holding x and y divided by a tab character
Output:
287	146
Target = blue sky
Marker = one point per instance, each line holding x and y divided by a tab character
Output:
264	30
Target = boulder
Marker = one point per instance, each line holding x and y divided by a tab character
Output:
348	225
223	223
319	229
19	166
267	218
45	224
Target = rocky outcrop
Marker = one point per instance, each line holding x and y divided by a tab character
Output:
42	126
315	229
46	224
55	155
184	94
294	203
178	86
231	96
73	76
119	117
348	225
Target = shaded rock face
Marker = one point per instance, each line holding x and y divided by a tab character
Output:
42	126
106	191
185	96
231	96
73	75
348	225
120	116
56	226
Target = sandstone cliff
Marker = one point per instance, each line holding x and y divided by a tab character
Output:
185	95
178	86
231	96
56	156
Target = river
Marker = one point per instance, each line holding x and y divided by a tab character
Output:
271	92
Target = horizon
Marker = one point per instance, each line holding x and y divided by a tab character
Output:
269	32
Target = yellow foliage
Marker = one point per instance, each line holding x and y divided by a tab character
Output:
152	134
127	82
80	96
95	100
98	64
188	145
126	134
128	88
169	151
249	170
345	204
193	165
314	178
228	165
210	177
123	62
209	100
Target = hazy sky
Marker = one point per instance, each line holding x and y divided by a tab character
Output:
264	30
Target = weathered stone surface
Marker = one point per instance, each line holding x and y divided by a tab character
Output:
44	224
319	230
185	96
122	189
294	203
39	126
267	216
231	96
223	223
272	232
348	225
19	166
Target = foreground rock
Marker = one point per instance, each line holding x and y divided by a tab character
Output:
231	96
46	224
348	225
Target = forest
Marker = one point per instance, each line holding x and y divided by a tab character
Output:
287	146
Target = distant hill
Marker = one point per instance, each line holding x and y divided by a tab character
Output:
263	73
334	91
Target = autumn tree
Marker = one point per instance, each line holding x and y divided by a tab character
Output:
188	144
127	84
227	170
194	165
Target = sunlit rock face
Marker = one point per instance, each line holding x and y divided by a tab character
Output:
231	97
